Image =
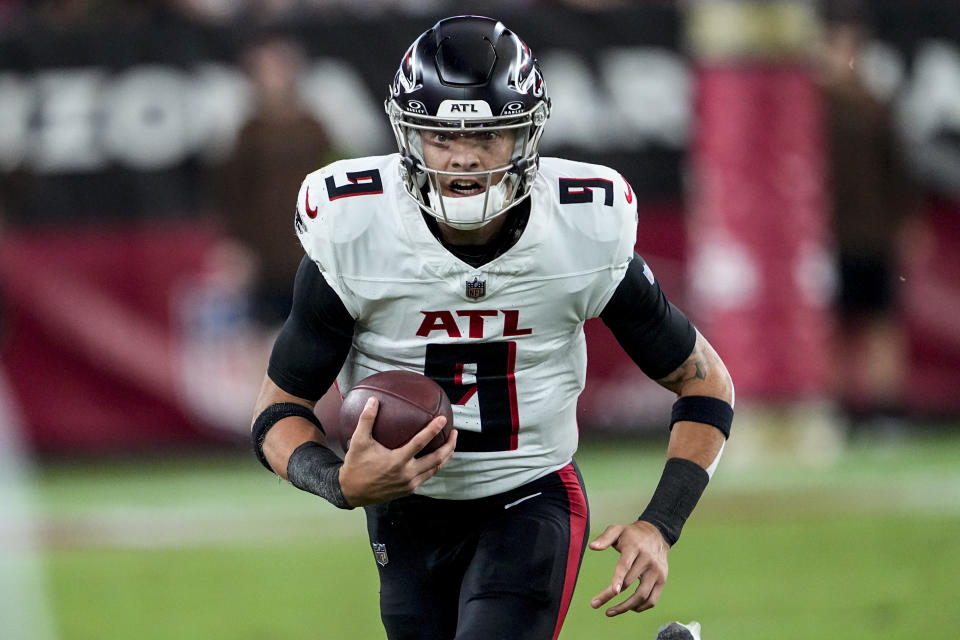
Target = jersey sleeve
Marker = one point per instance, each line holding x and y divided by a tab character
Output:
593	227
656	335
315	339
314	220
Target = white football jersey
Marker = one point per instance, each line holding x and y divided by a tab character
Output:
505	340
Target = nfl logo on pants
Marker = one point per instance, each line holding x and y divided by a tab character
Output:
380	553
476	288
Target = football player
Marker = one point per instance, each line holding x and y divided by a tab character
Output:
468	258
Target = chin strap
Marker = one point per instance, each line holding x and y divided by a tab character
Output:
521	165
411	164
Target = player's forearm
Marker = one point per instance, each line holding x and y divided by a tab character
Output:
284	438
288	439
286	434
697	442
700	423
701	374
705	397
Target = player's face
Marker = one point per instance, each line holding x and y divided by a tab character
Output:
467	151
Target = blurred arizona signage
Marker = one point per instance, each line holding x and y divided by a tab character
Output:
113	333
118	107
124	122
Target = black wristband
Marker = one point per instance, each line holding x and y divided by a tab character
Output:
705	409
680	487
314	468
269	417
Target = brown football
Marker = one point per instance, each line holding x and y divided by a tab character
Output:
408	401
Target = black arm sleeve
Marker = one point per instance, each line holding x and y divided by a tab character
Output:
654	333
314	341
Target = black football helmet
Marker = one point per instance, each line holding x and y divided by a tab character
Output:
465	74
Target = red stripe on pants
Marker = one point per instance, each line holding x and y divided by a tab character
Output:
578	530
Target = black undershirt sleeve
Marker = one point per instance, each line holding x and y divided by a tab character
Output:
315	339
654	333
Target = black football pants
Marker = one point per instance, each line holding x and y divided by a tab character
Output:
502	567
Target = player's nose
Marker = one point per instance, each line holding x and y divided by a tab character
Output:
464	154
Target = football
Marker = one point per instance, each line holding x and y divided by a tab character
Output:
408	401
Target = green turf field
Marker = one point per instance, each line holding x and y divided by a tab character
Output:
201	548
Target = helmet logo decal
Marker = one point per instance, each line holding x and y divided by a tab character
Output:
415	106
406	79
512	108
526	75
464	108
537	83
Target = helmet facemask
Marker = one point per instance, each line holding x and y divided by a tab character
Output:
468	212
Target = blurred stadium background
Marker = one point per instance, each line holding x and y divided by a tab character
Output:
132	335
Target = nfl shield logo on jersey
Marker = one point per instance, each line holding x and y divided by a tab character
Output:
380	553
476	288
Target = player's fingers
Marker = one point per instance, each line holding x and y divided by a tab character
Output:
644	597
447	448
435	460
648	576
640	600
652	599
618	581
645	591
636	571
607	538
365	423
603	597
423	437
628	558
431	463
633	603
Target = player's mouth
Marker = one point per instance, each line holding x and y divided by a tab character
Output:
461	187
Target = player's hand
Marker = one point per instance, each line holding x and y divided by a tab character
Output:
372	473
643	557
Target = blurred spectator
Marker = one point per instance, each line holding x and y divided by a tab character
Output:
871	200
597	5
274	151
